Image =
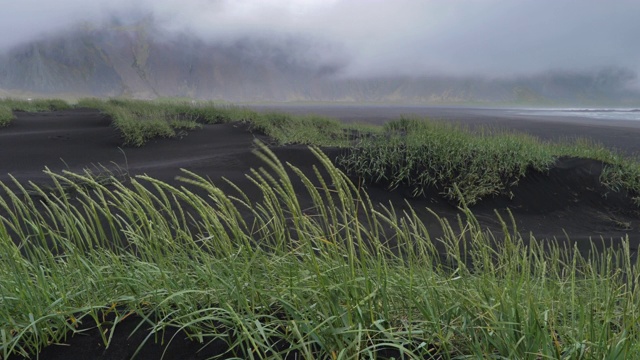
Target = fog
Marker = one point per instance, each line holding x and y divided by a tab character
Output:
496	38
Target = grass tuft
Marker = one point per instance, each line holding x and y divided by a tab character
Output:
307	130
6	115
8	106
467	166
423	154
35	105
140	121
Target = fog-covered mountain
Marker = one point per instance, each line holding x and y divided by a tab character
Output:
138	60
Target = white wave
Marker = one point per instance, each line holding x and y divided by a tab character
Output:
594	113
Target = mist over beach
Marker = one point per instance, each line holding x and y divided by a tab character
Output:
413	52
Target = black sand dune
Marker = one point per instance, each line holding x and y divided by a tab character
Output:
567	200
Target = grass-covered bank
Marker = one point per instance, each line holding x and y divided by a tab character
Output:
468	165
324	282
139	121
6	115
35	105
8	106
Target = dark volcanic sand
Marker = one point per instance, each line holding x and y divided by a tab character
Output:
566	200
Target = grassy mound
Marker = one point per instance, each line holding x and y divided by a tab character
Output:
35	105
467	166
6	115
8	106
139	121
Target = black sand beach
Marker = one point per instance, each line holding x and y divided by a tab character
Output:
568	201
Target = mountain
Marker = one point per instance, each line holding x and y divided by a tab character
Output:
140	60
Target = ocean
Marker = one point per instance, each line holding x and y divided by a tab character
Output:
603	114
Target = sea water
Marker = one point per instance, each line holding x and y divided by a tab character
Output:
596	113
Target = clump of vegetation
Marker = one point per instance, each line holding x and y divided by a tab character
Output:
35	105
315	283
212	113
140	120
464	165
308	130
467	166
623	175
140	124
9	105
6	115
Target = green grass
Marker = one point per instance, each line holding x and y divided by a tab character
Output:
308	130
321	281
422	154
35	105
469	165
140	121
464	165
6	115
9	105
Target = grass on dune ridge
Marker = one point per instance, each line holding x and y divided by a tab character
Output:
140	121
34	105
468	165
315	283
463	164
320	282
8	106
6	115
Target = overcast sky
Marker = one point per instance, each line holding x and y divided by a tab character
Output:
386	37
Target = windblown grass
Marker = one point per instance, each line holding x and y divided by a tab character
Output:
140	121
6	115
9	105
319	283
422	154
35	105
307	130
467	166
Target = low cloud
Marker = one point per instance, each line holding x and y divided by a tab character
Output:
497	38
